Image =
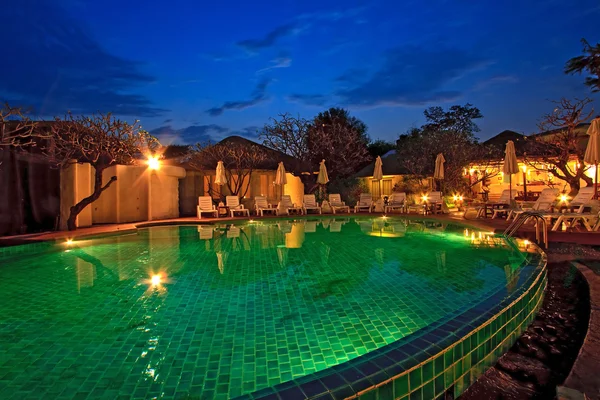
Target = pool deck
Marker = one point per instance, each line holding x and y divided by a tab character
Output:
496	225
583	375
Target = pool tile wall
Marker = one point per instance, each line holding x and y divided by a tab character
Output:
461	364
429	365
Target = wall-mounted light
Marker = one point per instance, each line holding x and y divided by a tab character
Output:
153	162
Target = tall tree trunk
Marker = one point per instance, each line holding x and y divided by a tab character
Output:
98	189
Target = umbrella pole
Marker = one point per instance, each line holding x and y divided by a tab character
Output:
596	183
510	190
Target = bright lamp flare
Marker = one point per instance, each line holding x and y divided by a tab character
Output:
156	280
153	163
564	198
424	198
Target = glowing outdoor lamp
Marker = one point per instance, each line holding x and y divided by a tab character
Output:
564	198
156	280
424	198
69	242
153	162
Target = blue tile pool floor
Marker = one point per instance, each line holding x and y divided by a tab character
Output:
239	307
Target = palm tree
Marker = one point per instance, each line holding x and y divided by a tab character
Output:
589	62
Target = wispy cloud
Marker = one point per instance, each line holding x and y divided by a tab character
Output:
253	46
279	62
500	79
301	23
259	95
61	67
413	76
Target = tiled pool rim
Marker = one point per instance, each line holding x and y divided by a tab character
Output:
446	356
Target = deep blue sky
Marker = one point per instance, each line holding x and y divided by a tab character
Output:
197	70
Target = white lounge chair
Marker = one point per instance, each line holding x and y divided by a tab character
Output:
396	201
206	206
590	220
310	204
364	202
434	202
336	203
582	198
544	203
285	206
261	205
233	202
503	203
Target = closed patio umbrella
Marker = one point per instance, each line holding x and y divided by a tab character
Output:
378	172
280	178
221	178
438	174
510	165
592	151
322	179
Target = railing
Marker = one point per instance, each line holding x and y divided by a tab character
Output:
541	228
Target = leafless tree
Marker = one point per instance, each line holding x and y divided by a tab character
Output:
288	135
333	135
560	142
16	128
239	160
101	141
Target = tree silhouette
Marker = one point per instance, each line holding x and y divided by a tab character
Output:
589	62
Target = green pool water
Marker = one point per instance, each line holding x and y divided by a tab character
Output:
239	307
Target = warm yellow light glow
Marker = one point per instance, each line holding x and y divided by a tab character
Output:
251	220
153	162
424	198
460	198
69	242
455	197
471	171
466	233
591	171
564	198
384	217
156	280
526	242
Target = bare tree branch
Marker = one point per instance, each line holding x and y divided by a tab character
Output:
239	160
16	128
562	144
101	141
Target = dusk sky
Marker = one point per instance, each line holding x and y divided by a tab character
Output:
193	71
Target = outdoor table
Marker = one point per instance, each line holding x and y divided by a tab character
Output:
432	207
222	211
490	207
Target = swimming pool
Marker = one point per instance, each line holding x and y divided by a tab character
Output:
303	308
